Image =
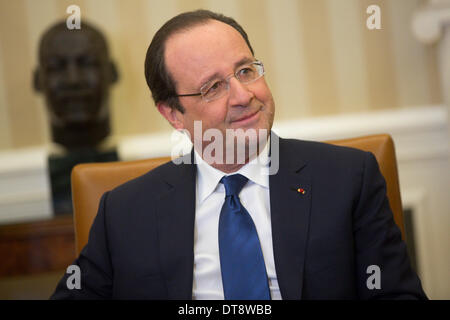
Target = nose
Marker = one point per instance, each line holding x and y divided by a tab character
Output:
239	94
73	74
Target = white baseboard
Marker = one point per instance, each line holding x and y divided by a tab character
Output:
417	132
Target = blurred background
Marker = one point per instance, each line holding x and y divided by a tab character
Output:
330	75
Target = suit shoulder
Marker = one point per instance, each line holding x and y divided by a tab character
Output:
322	150
150	183
323	156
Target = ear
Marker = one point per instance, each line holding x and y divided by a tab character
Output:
114	74
37	80
174	116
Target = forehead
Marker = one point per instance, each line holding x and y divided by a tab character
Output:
72	43
205	48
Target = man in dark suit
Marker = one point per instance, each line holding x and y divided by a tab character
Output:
292	220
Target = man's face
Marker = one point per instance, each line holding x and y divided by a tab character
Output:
216	50
74	77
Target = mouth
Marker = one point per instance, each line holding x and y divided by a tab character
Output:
74	93
247	118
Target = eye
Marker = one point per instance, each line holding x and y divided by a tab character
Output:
213	88
244	70
246	73
87	61
54	64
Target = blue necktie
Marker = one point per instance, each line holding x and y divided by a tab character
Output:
244	275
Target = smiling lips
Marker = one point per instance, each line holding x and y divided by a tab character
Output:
246	117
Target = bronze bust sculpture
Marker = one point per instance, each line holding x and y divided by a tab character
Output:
75	73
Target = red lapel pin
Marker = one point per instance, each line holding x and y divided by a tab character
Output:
299	190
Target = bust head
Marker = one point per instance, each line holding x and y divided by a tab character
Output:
75	74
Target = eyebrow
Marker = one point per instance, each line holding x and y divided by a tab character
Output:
236	65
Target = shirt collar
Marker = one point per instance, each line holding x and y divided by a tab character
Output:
209	177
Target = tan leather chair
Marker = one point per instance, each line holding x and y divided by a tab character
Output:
90	181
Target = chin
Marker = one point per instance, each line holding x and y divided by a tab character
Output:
245	142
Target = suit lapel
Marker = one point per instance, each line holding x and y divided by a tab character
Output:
290	211
176	214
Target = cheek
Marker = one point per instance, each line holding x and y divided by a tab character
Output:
53	82
263	94
214	115
94	76
211	115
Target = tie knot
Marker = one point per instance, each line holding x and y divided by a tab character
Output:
233	184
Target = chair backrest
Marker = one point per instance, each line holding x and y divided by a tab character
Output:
90	181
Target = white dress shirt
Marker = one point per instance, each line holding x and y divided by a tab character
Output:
210	196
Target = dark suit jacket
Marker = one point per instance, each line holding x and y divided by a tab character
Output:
142	240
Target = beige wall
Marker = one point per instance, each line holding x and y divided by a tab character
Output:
319	55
